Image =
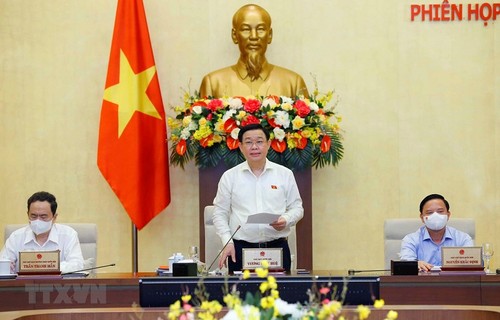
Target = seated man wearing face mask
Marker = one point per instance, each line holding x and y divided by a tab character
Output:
43	234
425	244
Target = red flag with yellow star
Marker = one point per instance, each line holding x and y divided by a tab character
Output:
132	153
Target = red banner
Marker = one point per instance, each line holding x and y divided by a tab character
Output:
132	153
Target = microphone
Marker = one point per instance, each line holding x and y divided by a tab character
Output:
88	269
224	247
353	272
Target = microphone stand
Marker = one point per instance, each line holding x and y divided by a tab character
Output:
88	269
222	250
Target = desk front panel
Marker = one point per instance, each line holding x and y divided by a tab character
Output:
432	290
104	290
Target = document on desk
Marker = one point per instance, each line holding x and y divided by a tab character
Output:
263	218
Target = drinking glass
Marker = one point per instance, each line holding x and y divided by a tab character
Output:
193	253
487	253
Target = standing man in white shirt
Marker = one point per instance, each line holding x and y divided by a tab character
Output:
255	186
43	234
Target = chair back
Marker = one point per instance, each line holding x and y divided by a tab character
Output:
213	243
87	235
396	229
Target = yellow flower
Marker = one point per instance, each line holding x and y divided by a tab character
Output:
298	123
363	312
241	114
217	138
186	121
286	106
202	132
261	273
265	264
264	286
379	303
232	301
211	306
272	282
275	293
202	121
219	126
246	274
391	315
174	310
267	302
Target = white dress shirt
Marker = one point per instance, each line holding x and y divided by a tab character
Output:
241	193
61	237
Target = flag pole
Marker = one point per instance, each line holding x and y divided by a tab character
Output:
135	260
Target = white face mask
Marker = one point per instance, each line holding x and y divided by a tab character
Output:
436	221
40	226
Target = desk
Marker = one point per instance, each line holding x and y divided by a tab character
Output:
435	289
404	312
122	290
101	290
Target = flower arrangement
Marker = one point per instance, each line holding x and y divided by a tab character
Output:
304	132
266	304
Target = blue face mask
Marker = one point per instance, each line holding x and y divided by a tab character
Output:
436	221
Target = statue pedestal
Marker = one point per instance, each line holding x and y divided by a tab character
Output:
208	181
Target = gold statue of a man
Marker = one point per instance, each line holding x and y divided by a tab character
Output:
252	74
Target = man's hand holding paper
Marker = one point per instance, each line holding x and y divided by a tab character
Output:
263	218
274	220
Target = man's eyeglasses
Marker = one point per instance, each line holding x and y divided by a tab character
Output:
249	144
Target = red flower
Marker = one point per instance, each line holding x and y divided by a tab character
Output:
272	123
204	142
278	146
215	104
326	142
181	147
252	105
301	143
230	125
302	108
250	119
232	143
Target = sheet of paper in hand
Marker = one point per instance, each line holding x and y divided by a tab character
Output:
263	218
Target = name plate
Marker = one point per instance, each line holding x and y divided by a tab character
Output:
253	257
39	262
461	258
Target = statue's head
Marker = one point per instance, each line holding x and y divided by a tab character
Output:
252	33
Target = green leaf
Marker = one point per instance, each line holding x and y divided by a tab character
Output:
210	157
297	159
233	157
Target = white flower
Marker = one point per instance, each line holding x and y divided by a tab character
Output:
185	133
228	115
282	118
269	102
234	133
294	310
279	134
192	126
197	109
313	106
286	100
235	103
246	311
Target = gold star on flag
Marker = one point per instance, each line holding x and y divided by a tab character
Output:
130	93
